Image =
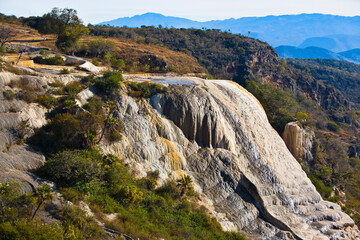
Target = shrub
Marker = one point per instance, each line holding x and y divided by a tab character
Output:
129	195
30	230
279	105
94	105
57	84
95	61
27	96
13	109
77	225
47	101
71	195
56	60
9	95
332	126
100	47
73	88
145	89
305	119
26	83
44	52
115	136
88	80
109	83
70	168
64	71
67	131
106	203
118	64
325	191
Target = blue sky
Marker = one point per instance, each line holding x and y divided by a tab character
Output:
102	10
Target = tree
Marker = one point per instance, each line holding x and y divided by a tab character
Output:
110	107
68	27
6	34
43	193
185	184
100	47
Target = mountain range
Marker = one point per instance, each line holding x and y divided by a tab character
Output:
334	33
317	52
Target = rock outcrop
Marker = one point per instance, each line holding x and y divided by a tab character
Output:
214	131
17	161
218	133
300	142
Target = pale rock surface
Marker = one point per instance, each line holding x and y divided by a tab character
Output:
83	96
299	141
216	132
17	161
88	66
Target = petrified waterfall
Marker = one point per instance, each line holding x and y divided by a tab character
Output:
218	133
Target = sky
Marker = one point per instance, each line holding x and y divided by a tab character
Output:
97	11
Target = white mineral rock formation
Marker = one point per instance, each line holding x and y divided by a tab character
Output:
299	141
218	133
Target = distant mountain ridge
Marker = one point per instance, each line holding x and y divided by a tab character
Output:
276	30
335	43
317	53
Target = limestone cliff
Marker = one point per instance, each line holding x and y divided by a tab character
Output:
218	133
17	161
300	142
214	131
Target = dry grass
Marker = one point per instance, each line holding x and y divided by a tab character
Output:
132	51
31	35
125	48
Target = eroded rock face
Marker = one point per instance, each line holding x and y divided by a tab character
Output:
216	132
16	161
299	141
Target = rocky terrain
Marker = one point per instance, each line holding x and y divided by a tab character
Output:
211	130
215	132
218	134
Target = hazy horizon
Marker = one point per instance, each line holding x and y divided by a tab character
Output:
92	12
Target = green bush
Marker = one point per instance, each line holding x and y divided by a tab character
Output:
70	168
74	88
56	60
324	191
71	195
30	230
332	126
9	95
47	101
68	131
94	105
115	136
109	83
64	71
279	105
95	61
57	84
129	195
100	47
88	80
145	89
44	52
78	226
118	64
